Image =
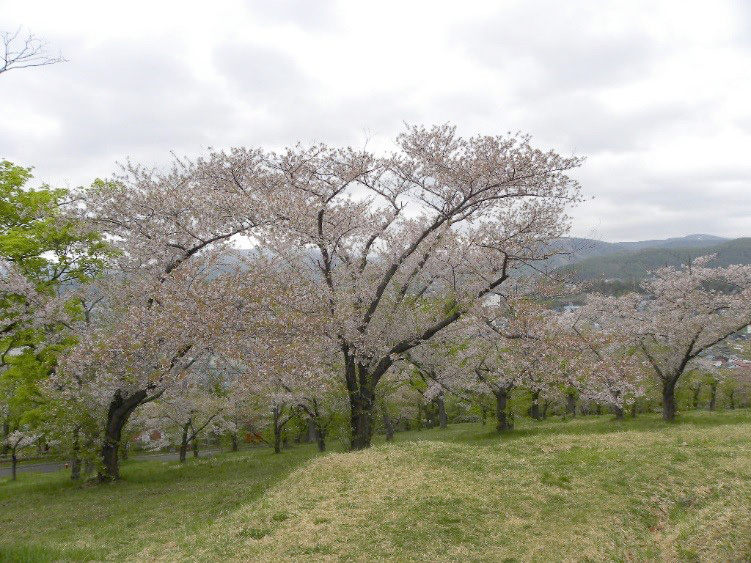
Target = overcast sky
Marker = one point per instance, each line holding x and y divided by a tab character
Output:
656	94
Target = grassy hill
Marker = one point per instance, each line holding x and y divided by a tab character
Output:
586	489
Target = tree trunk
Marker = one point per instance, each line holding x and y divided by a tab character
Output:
312	432
75	468
14	461
388	424
194	444
6	433
634	409
571	403
668	399
430	412
75	459
504	422
731	396
545	405
277	429
233	439
321	439
442	418
713	396
697	390
184	443
119	411
361	401
277	441
618	410
534	410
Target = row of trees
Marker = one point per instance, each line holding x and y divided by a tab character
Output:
315	279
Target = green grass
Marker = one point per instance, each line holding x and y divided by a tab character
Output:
588	489
45	517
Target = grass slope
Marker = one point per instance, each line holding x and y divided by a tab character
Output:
46	517
587	489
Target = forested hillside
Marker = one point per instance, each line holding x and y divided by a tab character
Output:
634	265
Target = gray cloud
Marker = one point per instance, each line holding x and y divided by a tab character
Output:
546	68
585	124
120	100
554	48
261	73
320	15
632	203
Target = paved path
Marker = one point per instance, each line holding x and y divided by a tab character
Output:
46	467
51	466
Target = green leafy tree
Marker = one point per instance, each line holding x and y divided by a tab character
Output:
45	255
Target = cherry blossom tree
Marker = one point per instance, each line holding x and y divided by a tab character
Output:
433	402
16	442
606	370
320	408
736	386
494	349
389	252
238	414
409	393
184	412
274	348
710	372
129	355
271	405
444	218
289	368
396	397
681	313
158	315
23	307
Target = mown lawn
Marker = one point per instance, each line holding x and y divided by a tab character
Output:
589	489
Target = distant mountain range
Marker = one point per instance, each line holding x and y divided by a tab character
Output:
590	259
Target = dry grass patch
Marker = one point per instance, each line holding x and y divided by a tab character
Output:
680	493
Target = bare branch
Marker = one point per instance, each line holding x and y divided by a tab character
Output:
25	52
